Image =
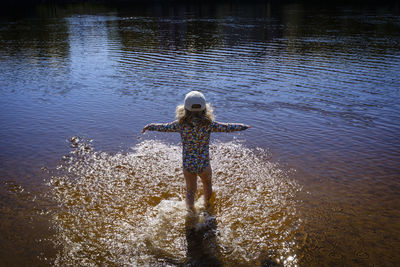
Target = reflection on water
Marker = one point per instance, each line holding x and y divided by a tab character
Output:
129	209
318	83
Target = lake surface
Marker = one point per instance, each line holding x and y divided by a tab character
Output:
314	182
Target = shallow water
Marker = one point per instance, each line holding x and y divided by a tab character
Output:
129	209
314	182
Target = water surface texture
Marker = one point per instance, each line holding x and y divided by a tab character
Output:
314	182
129	209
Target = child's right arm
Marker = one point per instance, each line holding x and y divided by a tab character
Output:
228	127
163	127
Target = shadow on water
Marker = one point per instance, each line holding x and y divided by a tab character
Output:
202	244
203	248
201	239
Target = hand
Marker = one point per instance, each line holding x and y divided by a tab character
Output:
145	129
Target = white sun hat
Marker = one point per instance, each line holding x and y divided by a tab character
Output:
195	101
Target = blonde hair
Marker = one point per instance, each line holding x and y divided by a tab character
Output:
185	116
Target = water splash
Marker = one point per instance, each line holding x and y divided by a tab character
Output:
128	209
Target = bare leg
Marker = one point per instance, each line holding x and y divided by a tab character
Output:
191	187
206	176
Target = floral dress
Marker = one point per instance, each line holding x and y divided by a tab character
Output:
195	140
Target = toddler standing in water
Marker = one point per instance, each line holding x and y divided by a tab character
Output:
195	122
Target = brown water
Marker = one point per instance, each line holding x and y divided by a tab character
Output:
129	209
314	182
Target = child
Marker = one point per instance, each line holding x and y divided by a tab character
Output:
195	122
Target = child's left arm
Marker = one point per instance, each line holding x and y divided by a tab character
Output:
228	127
162	127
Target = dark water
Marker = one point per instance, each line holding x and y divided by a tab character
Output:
315	182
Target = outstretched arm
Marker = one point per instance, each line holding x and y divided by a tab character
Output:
228	127
162	127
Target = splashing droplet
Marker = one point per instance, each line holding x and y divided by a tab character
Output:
129	208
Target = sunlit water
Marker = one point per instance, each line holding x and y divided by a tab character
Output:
129	209
314	182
